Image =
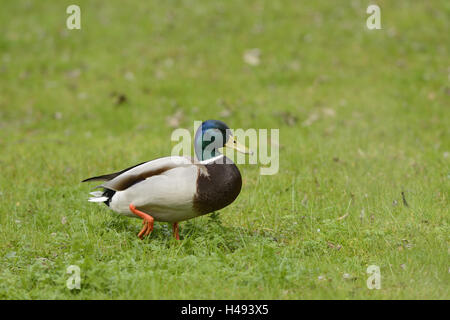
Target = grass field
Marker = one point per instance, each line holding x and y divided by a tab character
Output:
364	115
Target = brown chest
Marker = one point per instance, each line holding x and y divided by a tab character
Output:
218	188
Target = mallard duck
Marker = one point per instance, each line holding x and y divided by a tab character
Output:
176	188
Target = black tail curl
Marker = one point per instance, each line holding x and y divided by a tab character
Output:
108	193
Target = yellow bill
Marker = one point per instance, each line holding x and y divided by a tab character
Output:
234	144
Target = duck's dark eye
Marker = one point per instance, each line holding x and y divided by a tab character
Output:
234	141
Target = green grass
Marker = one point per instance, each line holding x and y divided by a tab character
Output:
363	116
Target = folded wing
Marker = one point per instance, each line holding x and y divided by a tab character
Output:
124	179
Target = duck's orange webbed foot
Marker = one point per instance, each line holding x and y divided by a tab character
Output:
175	231
148	221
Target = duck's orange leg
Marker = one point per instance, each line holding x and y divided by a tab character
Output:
148	221
175	231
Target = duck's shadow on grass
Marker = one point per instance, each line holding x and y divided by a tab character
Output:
119	224
208	230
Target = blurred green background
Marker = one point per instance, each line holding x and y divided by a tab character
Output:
364	115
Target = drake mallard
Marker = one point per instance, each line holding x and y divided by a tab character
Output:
176	188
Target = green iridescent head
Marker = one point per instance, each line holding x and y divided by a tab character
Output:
212	135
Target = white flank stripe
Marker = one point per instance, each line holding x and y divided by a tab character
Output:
99	199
